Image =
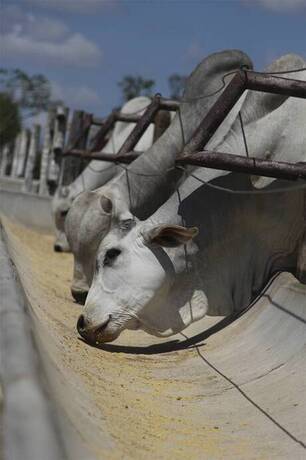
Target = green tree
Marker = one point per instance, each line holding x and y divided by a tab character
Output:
31	93
133	86
176	84
9	119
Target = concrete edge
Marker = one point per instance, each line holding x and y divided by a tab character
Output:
28	209
30	430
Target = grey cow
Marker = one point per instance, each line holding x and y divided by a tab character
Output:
150	179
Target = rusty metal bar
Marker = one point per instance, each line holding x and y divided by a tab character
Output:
112	158
141	126
165	104
216	114
100	138
238	163
257	81
169	104
119	116
243	80
127	117
216	160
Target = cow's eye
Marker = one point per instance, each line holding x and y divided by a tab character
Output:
64	213
127	224
110	256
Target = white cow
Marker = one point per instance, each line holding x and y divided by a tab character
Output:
98	173
151	178
267	228
161	276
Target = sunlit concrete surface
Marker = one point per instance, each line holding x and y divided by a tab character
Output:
235	390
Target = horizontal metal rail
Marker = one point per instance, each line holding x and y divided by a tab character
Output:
164	104
118	116
238	163
111	157
106	125
217	160
193	152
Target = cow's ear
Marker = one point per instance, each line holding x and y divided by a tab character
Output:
106	204
170	236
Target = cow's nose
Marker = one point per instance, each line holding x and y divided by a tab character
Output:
79	296
58	248
89	332
82	324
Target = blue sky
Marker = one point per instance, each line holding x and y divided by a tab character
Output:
85	47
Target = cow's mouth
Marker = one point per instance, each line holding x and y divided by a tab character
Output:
97	334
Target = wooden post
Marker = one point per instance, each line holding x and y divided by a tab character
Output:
58	143
23	152
78	134
15	156
47	145
4	159
62	114
32	156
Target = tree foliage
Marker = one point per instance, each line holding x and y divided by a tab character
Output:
9	119
32	94
176	85
133	86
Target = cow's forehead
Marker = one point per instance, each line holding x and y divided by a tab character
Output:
115	237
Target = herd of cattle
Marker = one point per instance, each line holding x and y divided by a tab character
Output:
156	247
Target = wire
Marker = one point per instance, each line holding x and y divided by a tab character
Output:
248	192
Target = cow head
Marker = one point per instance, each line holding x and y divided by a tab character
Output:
90	218
140	282
61	204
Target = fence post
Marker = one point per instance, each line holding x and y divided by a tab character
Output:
32	156
62	114
46	151
23	152
15	156
78	134
4	159
58	145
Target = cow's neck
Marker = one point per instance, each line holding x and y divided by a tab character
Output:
243	240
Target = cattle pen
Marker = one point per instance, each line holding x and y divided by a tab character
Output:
227	388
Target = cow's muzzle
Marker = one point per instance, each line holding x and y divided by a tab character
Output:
91	334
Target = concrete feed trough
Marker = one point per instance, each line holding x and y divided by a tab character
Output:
226	389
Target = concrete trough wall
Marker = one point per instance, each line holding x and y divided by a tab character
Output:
29	427
15	184
28	209
231	389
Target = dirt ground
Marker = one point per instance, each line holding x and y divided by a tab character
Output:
128	400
